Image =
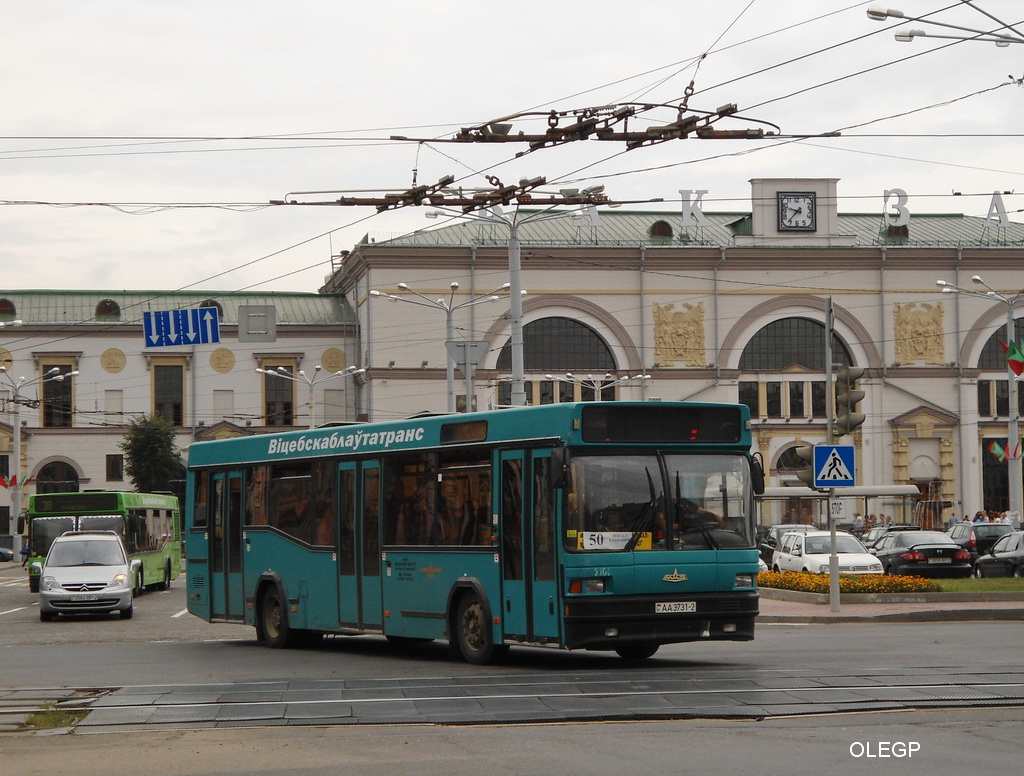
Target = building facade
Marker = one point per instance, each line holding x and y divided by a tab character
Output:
723	307
117	362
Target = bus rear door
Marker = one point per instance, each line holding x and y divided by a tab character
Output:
529	569
227	596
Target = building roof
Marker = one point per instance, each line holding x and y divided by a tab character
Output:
628	228
42	307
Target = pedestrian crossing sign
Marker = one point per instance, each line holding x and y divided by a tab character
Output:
834	466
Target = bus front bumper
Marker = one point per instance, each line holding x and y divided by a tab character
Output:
609	622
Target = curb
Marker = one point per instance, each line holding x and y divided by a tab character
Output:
797	596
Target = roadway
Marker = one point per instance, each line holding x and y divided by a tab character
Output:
170	674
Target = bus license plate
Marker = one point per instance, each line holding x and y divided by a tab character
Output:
673	607
940	560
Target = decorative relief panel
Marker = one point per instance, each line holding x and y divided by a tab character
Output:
679	335
919	333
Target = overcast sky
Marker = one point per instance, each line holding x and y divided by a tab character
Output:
179	121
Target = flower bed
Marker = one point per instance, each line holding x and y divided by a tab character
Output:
848	583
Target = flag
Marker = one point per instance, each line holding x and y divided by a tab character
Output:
1014	357
997	450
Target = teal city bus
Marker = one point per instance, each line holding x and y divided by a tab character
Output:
149	523
615	526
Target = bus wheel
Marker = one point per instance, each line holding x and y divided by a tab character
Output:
636	651
33	584
274	619
167	577
473	632
139	587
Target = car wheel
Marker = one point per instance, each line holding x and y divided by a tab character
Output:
978	571
776	569
126	614
890	571
46	616
1017	573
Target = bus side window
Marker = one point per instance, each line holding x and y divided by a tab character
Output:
200	508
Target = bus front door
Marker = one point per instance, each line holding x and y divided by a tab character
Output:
227	595
359	584
528	550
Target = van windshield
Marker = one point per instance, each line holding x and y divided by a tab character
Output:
86	553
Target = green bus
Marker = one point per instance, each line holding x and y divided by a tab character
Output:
618	526
149	523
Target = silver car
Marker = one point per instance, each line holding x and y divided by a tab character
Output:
86	572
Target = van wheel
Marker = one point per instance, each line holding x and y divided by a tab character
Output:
473	632
126	614
46	616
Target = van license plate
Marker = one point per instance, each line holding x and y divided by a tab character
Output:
83	597
673	607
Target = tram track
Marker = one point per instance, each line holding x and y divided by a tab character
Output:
496	699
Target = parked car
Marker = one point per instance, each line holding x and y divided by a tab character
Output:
809	553
1005	559
86	572
6	555
872	535
922	553
978	538
773	534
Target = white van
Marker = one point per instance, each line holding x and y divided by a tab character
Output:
86	572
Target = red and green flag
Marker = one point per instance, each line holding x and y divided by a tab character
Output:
1014	357
997	450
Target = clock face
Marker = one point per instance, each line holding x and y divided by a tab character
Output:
796	211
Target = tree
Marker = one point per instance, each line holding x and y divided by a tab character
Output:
151	458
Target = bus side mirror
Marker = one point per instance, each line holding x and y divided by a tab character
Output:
559	467
757	474
21	524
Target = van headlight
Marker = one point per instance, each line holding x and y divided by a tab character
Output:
48	583
121	580
744	580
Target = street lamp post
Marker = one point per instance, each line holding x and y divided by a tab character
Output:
318	378
1002	40
512	221
1013	432
53	375
599	384
449	308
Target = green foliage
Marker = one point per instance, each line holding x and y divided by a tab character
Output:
151	458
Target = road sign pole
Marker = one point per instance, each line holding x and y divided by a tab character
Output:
833	558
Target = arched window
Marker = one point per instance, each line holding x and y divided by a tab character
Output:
792	342
993	357
216	305
560	345
108	310
7	310
660	231
57	477
994	394
795	346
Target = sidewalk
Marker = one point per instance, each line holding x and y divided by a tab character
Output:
783	606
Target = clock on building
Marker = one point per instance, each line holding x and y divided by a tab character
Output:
797	211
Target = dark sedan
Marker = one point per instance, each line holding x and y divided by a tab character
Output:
6	555
922	554
1005	559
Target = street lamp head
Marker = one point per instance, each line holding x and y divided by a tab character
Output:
977	279
880	14
454	286
375	292
403	286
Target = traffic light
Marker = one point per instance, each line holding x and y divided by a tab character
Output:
847	399
806	473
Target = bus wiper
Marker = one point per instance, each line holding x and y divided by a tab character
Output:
641	521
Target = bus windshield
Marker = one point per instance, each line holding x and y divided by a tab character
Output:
43	530
659	502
